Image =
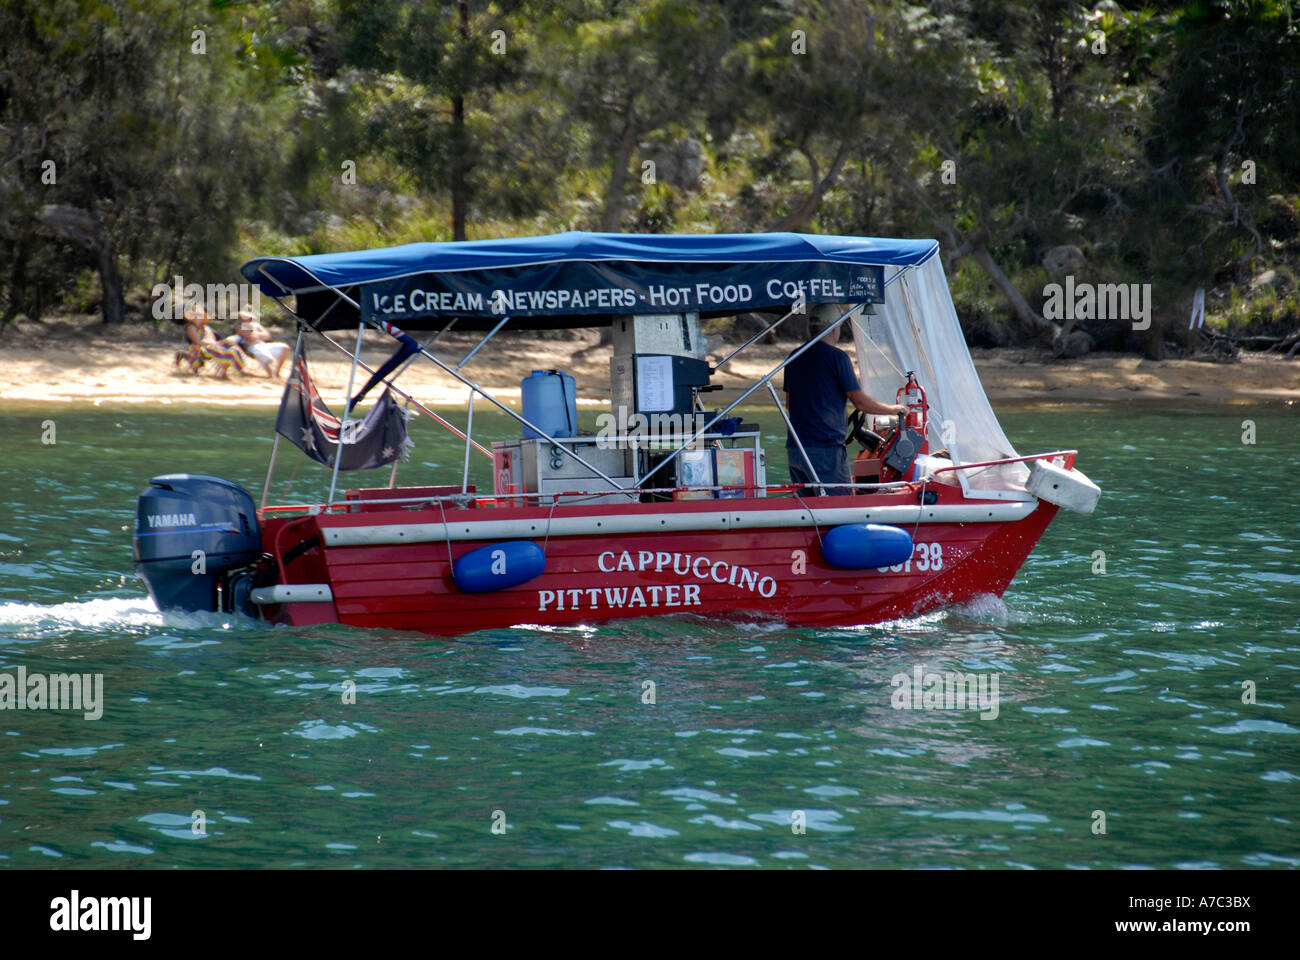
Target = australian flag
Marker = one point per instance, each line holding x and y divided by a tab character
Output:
306	422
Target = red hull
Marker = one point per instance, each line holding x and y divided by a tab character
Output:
771	572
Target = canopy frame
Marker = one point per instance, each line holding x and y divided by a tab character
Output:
893	292
474	387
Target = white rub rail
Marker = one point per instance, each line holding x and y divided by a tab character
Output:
711	520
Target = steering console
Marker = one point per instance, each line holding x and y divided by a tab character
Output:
867	439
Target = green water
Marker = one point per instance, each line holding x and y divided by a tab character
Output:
1120	692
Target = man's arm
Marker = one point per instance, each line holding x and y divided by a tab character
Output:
864	403
848	382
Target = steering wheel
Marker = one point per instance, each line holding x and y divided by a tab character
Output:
859	432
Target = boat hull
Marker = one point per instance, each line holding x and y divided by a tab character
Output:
756	566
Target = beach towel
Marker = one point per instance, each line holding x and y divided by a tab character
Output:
224	355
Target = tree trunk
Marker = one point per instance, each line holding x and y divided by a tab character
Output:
804	212
616	189
459	145
458	168
87	231
18	283
110	283
1018	303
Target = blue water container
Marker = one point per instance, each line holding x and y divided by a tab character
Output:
551	402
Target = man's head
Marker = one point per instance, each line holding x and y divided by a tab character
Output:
821	318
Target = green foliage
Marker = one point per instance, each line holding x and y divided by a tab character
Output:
1006	129
135	139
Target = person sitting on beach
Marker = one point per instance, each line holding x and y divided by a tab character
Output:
206	345
256	341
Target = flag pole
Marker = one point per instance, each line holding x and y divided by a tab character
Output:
392	477
275	447
347	409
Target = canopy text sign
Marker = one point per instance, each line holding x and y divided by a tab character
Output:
612	288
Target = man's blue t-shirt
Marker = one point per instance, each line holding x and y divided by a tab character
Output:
816	383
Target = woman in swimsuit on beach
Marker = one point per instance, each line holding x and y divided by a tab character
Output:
224	353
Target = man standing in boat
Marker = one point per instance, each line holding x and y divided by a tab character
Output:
817	383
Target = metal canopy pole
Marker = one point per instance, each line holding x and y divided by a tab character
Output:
735	403
797	442
426	345
270	471
275	447
406	396
762	333
469	432
343	424
491	333
392	477
475	387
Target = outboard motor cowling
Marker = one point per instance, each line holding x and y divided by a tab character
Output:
190	530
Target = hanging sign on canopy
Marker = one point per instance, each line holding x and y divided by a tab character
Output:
619	287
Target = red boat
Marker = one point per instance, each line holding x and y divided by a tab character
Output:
667	510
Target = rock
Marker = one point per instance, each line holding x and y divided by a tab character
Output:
1063	259
679	163
1264	279
983	329
1077	343
1281	218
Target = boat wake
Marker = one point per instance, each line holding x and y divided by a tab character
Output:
103	615
986	608
983	609
98	614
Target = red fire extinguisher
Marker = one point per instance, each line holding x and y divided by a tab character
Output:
912	395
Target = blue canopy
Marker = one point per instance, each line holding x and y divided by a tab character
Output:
584	278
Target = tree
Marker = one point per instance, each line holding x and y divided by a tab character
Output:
1009	133
814	76
429	68
634	69
133	139
1228	134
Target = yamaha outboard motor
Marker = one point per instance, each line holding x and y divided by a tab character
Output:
190	531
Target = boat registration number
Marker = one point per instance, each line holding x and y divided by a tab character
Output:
927	557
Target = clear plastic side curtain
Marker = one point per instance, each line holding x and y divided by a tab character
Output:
916	329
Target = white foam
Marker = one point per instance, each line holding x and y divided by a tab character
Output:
986	607
111	613
94	614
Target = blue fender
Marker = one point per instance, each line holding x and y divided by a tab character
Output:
861	546
498	565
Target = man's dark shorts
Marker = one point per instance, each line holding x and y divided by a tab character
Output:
831	464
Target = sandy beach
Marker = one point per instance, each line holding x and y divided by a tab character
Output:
76	362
